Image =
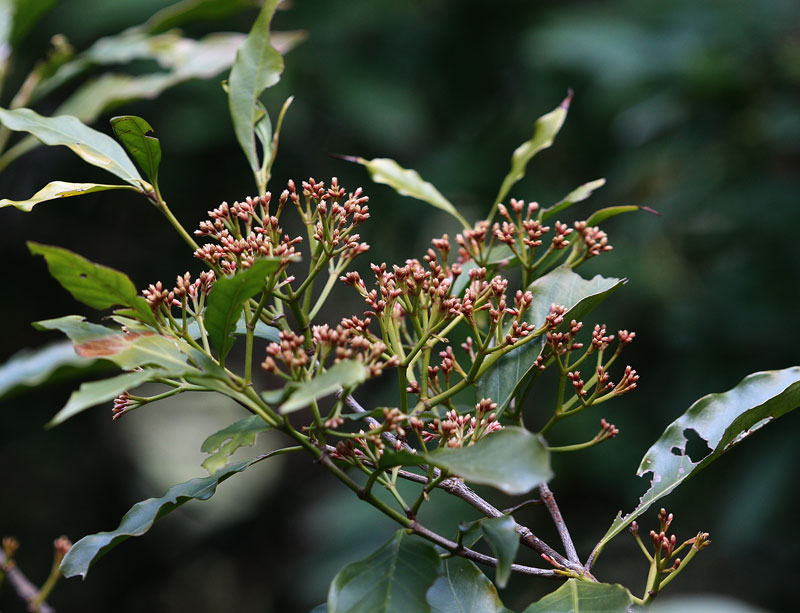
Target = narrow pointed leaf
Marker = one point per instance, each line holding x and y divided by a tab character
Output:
463	588
98	286
600	216
722	420
394	579
258	66
544	132
501	534
92	146
512	460
31	368
344	375
96	392
407	182
577	195
139	139
561	286
193	11
584	597
223	444
225	303
56	190
141	517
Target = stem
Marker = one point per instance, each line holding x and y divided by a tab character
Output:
161	205
550	502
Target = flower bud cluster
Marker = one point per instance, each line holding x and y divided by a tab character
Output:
186	290
457	430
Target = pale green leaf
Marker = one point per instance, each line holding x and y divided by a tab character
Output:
139	139
344	375
722	420
257	66
600	216
544	132
223	444
584	597
92	146
512	460
141	517
561	286
56	190
407	182
394	579
578	194
96	392
98	286
463	588
34	367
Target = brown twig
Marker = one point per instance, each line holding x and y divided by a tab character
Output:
550	502
26	590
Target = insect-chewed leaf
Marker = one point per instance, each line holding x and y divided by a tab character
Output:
344	375
139	139
394	579
222	445
98	286
56	190
141	517
92	146
584	597
722	421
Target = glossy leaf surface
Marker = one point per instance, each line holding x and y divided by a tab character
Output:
344	375
92	146
258	66
501	534
584	597
223	444
34	367
394	579
139	139
561	286
407	182
544	132
140	519
722	420
578	194
98	286
463	588
226	302
512	460
96	392
56	190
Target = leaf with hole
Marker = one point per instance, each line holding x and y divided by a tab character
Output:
512	460
343	375
407	182
141	517
394	579
722	420
139	139
584	597
223	444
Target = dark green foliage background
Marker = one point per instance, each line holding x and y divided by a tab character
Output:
690	108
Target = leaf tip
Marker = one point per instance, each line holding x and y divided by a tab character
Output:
347	158
651	211
568	100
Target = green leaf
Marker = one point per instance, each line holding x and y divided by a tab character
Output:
31	368
92	146
225	303
407	182
141	517
544	131
394	579
128	351
600	216
98	286
223	444
257	66
463	588
192	11
579	194
561	286
584	597
139	139
512	460
501	534
26	14
60	189
722	420
343	375
96	392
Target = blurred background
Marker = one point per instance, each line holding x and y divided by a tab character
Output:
689	108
